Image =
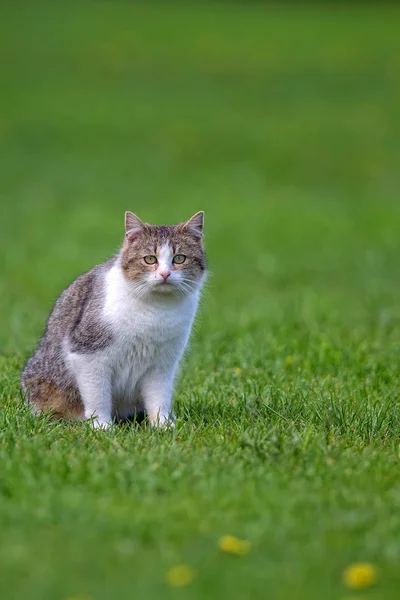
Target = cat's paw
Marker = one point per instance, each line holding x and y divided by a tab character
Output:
100	423
164	421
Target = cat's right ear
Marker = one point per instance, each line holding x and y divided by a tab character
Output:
132	224
196	223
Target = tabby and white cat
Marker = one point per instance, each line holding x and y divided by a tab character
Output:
115	337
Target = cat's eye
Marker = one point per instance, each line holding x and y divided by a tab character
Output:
179	259
150	259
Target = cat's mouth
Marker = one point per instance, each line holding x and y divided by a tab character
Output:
164	286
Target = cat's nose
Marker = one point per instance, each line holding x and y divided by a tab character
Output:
165	274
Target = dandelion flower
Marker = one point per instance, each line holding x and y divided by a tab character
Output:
180	576
360	576
237	370
232	545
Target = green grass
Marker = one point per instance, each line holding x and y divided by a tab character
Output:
284	126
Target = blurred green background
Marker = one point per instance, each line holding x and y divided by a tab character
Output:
282	123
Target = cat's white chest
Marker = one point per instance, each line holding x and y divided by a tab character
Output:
146	335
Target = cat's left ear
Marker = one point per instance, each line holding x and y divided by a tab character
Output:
196	223
132	223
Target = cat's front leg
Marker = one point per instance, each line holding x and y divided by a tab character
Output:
94	383
156	391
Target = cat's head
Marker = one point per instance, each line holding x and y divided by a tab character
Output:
163	259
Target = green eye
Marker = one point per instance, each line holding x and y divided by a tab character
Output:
179	259
150	260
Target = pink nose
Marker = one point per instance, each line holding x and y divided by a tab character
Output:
165	274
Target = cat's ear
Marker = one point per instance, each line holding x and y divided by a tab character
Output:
196	223
132	223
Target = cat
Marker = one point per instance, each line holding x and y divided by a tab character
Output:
113	342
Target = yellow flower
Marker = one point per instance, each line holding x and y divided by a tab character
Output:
289	360
180	576
232	545
237	370
360	576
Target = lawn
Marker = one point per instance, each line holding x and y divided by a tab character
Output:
283	125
